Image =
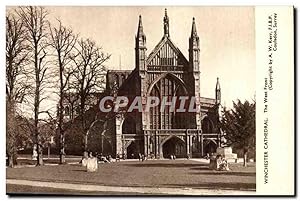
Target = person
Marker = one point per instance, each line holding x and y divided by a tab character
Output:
92	163
171	156
140	156
174	157
109	158
99	157
212	162
84	160
224	164
219	161
117	157
143	157
104	159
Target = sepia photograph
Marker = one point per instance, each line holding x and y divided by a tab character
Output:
131	100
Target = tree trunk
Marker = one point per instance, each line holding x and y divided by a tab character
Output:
40	155
84	130
62	159
62	153
245	158
11	134
11	161
37	107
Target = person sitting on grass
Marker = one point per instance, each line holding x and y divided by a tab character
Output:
104	159
117	157
84	159
222	164
109	158
92	163
143	157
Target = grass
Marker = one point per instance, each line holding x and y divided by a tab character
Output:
151	173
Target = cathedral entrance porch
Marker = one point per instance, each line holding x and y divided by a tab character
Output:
162	143
174	146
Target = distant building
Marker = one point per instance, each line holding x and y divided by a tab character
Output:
163	72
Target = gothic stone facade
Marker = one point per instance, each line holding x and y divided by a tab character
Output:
164	72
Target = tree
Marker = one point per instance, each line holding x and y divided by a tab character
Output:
35	22
88	77
238	124
16	79
63	41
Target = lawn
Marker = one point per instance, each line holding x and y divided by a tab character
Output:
151	173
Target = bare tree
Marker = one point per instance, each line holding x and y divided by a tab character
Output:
35	22
16	77
63	41
89	77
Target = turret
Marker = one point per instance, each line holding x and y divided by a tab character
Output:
218	92
194	49
166	24
140	47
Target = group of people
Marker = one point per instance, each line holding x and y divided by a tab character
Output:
142	157
105	159
218	163
90	162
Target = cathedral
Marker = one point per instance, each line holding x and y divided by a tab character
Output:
164	72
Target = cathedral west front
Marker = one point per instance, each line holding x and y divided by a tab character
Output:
164	72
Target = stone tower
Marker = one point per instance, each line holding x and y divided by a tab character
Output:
194	69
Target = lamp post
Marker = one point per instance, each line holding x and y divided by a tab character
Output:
49	145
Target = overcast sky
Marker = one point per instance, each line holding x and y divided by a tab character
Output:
227	40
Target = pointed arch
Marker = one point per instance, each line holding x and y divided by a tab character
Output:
167	86
173	145
169	137
171	75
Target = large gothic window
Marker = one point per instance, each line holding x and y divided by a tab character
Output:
167	87
155	112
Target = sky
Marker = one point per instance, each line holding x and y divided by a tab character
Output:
227	40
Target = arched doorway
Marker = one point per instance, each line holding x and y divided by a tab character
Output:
174	146
132	150
209	146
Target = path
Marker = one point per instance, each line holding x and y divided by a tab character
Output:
152	190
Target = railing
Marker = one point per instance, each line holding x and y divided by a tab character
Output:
165	68
180	132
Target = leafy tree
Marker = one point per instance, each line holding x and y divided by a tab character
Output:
238	124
